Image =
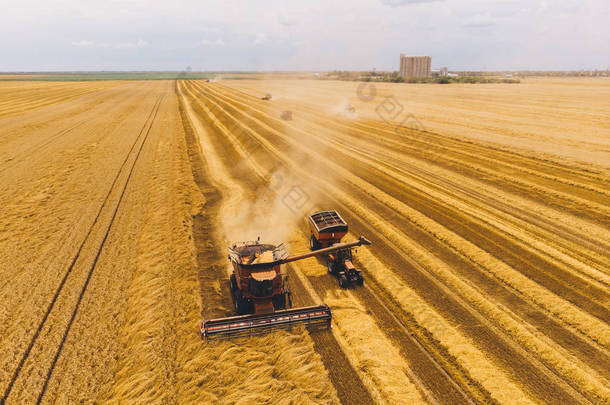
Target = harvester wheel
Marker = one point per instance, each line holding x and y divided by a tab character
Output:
279	302
330	266
343	283
289	298
233	284
241	304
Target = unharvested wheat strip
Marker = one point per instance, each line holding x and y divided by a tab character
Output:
584	322
540	346
234	141
232	193
380	366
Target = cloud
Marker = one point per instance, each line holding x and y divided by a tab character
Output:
480	21
217	42
400	3
132	45
287	20
84	43
260	39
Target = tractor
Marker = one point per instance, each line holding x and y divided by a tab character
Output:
327	229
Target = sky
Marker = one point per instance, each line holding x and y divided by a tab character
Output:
313	35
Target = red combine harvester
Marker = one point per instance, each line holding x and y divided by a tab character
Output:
327	229
260	293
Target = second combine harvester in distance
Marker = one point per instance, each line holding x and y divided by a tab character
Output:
260	293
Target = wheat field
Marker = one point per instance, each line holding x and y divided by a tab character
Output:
488	208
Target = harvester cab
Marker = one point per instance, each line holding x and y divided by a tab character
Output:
261	295
327	230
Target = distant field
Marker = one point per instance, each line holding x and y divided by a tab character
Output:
565	118
106	76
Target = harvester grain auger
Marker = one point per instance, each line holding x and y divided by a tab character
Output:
327	229
260	293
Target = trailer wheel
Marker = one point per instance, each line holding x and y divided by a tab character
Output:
359	278
313	243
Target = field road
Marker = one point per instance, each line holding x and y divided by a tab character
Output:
487	281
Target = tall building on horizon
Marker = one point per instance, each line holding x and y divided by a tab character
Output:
415	66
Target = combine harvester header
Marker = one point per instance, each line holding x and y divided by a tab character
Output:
260	294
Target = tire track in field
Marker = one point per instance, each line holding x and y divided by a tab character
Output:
25	105
24	155
518	368
141	139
